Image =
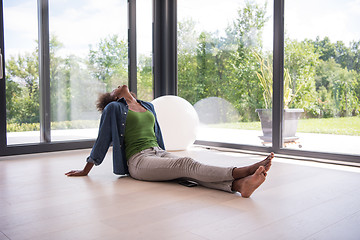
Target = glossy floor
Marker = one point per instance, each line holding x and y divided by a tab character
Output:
299	200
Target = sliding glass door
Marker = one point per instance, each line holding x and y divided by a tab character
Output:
322	76
225	68
87	55
238	63
285	76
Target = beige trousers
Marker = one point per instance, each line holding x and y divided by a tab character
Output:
155	164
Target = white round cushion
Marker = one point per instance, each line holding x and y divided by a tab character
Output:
178	122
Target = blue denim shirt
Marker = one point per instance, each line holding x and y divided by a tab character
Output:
112	130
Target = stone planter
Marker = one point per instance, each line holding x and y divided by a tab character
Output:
291	117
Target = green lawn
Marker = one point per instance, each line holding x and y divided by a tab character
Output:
341	126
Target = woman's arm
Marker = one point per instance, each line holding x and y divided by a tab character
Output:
83	172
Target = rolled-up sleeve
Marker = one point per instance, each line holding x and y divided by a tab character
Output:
94	161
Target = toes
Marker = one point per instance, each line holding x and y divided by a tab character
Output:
268	165
270	156
260	170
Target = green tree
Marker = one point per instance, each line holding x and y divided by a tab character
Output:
337	77
324	48
347	57
188	86
246	30
108	62
343	55
355	51
71	86
301	60
244	36
337	90
60	97
214	66
145	78
22	87
13	91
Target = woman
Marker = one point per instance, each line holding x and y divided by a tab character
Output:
138	149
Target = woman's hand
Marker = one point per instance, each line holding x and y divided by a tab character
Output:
79	173
76	173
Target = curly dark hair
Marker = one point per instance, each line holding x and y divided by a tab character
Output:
106	98
103	100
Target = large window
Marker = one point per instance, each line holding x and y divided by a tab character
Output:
322	75
88	55
225	67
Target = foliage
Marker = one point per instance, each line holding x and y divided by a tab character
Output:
244	37
347	57
22	127
301	71
108	62
266	81
337	90
22	102
71	87
301	61
144	79
246	30
222	66
77	124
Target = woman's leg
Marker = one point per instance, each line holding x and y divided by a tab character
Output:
238	172
157	165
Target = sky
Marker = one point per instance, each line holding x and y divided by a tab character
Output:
76	25
81	23
337	19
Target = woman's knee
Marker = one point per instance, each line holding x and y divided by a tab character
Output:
186	163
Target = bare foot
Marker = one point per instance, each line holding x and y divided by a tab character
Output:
250	170
246	186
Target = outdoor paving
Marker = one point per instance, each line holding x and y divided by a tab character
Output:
14	138
330	143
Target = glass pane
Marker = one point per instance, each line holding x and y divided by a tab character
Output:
21	70
144	49
322	75
89	55
224	67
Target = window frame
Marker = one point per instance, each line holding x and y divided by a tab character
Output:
46	145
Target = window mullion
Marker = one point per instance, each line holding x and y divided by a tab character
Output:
278	75
44	70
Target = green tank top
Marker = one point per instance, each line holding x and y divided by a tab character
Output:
139	132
